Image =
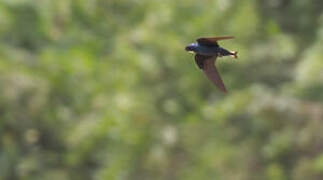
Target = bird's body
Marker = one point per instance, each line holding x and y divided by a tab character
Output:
207	50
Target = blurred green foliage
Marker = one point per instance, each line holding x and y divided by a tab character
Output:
103	89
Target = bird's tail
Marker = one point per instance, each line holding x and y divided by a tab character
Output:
234	54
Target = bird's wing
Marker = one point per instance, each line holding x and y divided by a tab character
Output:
199	60
212	41
211	72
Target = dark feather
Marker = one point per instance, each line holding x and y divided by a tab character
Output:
212	73
199	59
212	41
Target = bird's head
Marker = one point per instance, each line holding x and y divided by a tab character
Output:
191	48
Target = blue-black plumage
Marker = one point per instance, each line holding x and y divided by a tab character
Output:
207	50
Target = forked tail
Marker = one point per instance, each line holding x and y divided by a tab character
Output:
234	54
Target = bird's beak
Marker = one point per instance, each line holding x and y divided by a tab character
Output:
189	50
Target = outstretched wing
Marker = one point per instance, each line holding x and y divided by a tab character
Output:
212	41
210	71
199	60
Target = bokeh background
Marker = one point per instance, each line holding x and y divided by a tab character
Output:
103	89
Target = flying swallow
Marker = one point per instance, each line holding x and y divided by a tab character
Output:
206	51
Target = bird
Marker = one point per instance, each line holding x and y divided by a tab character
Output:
206	51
